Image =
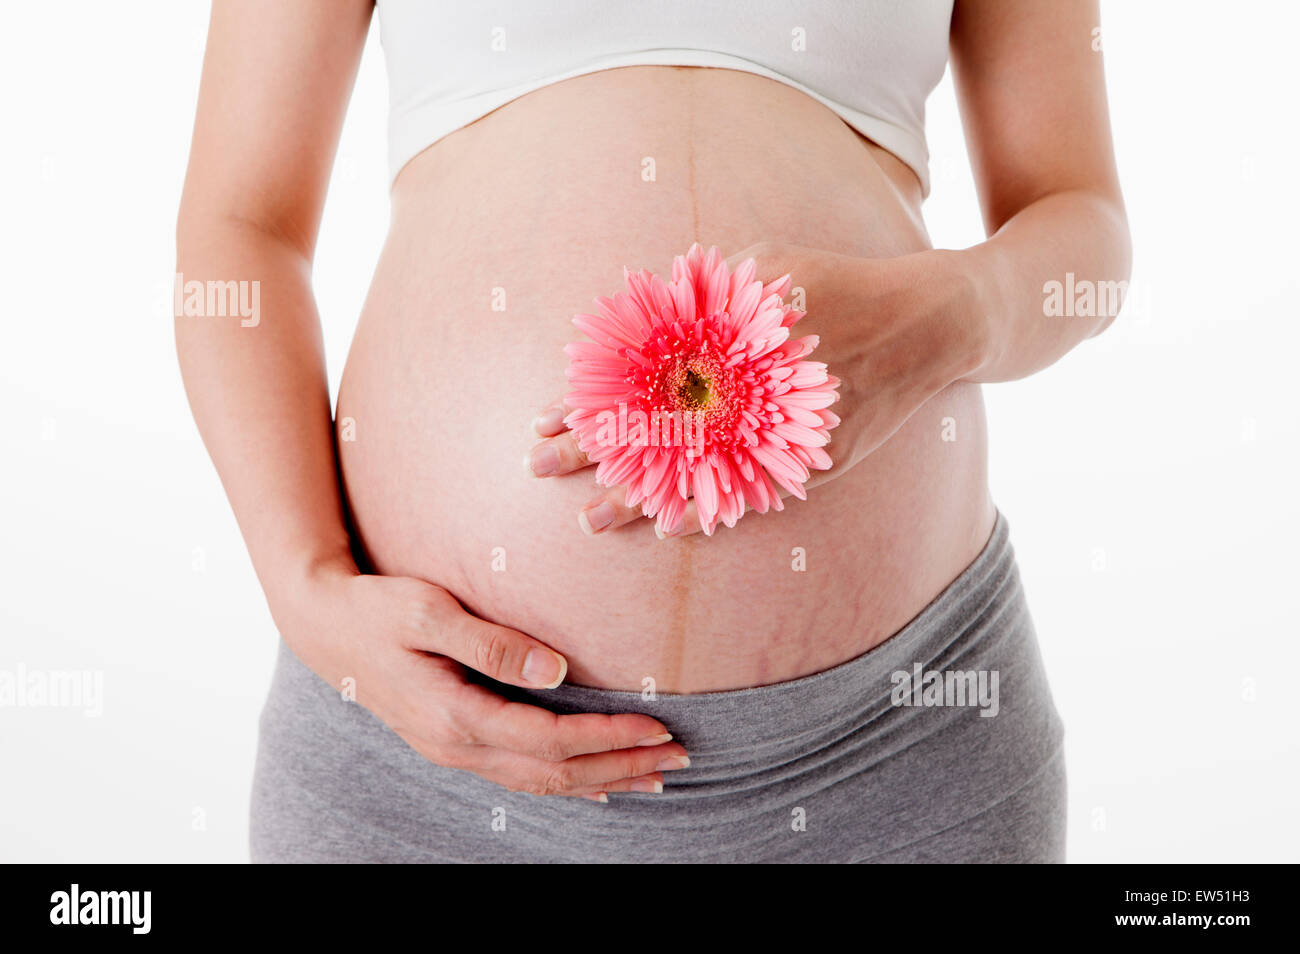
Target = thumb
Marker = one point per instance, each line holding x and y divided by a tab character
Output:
498	652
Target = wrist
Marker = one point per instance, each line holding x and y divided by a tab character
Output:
301	586
965	303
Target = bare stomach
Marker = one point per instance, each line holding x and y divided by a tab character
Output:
505	229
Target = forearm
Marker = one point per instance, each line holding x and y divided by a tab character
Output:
260	397
1050	277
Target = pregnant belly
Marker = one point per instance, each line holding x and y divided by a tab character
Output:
504	230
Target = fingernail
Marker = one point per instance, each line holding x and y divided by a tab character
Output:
544	669
549	421
543	460
598	797
647	785
674	763
659	533
597	518
656	739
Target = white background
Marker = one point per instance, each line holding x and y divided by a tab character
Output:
1149	477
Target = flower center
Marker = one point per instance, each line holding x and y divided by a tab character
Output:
694	392
697	388
688	383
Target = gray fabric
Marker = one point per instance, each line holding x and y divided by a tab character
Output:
873	781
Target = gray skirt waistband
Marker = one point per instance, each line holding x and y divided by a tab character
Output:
872	760
974	635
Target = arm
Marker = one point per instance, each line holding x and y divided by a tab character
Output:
1033	100
898	331
276	80
268	122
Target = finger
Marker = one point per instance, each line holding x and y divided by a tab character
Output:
652	784
608	771
689	525
607	512
494	721
556	456
499	652
585	774
605	772
551	421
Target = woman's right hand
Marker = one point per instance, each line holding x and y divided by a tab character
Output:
407	644
252	205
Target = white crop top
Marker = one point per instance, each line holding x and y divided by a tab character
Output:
873	62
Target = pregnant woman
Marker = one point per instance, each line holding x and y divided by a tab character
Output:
487	662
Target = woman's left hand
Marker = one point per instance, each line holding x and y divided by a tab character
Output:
895	331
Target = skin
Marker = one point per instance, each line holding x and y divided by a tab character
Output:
973	315
910	330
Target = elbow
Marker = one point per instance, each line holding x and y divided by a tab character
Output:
223	228
1114	285
193	231
194	221
220	264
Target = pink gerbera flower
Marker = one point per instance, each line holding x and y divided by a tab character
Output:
693	388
